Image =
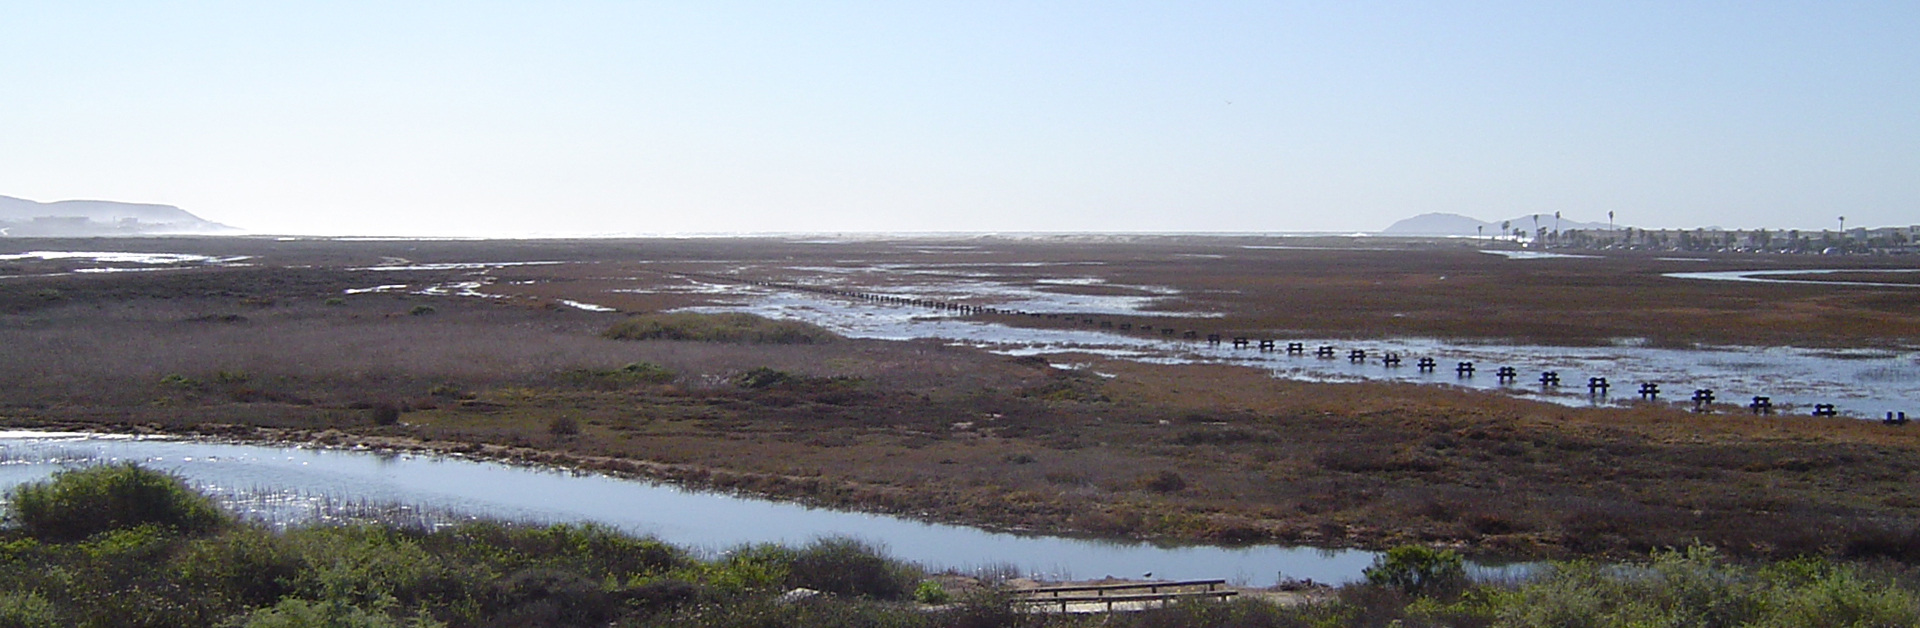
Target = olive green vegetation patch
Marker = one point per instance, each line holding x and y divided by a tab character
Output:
737	327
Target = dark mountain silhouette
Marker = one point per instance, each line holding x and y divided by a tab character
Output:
20	217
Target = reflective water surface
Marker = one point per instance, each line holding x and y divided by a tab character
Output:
1861	382
288	485
1795	276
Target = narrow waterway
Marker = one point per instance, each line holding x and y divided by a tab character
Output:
292	485
1802	276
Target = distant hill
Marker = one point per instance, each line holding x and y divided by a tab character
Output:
1458	225
21	217
1442	224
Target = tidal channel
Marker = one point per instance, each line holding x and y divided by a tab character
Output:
290	485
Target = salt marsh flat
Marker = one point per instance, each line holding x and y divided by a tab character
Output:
499	347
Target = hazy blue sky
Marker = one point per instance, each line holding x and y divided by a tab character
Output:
498	117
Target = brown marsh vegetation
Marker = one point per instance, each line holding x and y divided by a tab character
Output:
280	350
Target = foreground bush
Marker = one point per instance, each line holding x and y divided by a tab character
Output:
147	572
1418	570
79	503
718	327
1695	587
298	613
836	565
845	566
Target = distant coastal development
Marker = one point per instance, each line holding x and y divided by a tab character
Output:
20	217
1548	231
1859	240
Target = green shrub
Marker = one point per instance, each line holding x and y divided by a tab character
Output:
837	565
930	592
660	594
1418	570
563	426
1836	596
1696	587
594	550
27	610
247	566
133	546
647	372
997	606
845	566
629	375
79	503
421	310
737	327
298	613
818	612
551	597
751	568
1237	613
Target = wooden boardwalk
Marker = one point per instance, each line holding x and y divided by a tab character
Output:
1107	598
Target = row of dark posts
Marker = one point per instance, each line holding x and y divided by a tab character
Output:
1702	398
1596	386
